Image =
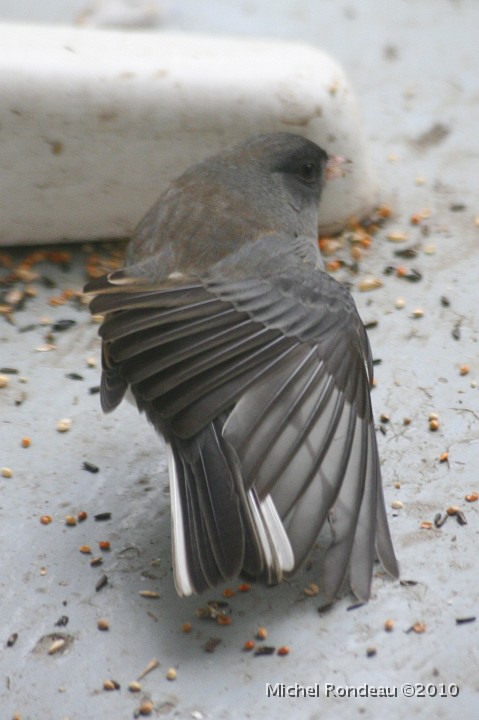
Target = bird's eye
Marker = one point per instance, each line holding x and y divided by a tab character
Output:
308	172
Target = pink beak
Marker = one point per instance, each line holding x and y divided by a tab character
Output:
337	167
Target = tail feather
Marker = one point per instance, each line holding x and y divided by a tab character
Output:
220	531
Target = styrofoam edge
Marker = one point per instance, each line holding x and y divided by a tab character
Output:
94	124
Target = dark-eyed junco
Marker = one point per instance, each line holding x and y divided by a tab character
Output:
255	367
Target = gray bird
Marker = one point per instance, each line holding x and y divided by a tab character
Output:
255	367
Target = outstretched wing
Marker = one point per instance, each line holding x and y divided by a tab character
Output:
286	357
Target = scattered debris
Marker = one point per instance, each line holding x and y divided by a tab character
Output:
64	425
211	644
56	646
472	497
152	594
264	650
102	516
440	519
111	685
90	467
261	633
102	582
418	628
62	325
311	589
12	639
62	621
152	665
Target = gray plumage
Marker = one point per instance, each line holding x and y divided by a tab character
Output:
254	365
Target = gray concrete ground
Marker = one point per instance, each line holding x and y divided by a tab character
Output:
414	66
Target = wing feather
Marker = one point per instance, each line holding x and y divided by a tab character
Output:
284	360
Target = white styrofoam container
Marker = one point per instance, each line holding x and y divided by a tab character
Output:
93	123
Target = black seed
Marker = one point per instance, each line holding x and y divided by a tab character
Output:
355	606
456	331
461	518
445	302
94	390
103	516
62	325
410	252
12	640
371	324
101	583
464	620
413	276
74	376
62	621
9	371
90	467
439	519
265	650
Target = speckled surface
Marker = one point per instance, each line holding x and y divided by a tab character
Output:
417	81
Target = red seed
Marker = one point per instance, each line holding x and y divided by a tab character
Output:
333	266
384	211
223	619
472	497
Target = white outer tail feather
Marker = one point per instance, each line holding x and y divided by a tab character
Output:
275	545
278	537
180	564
